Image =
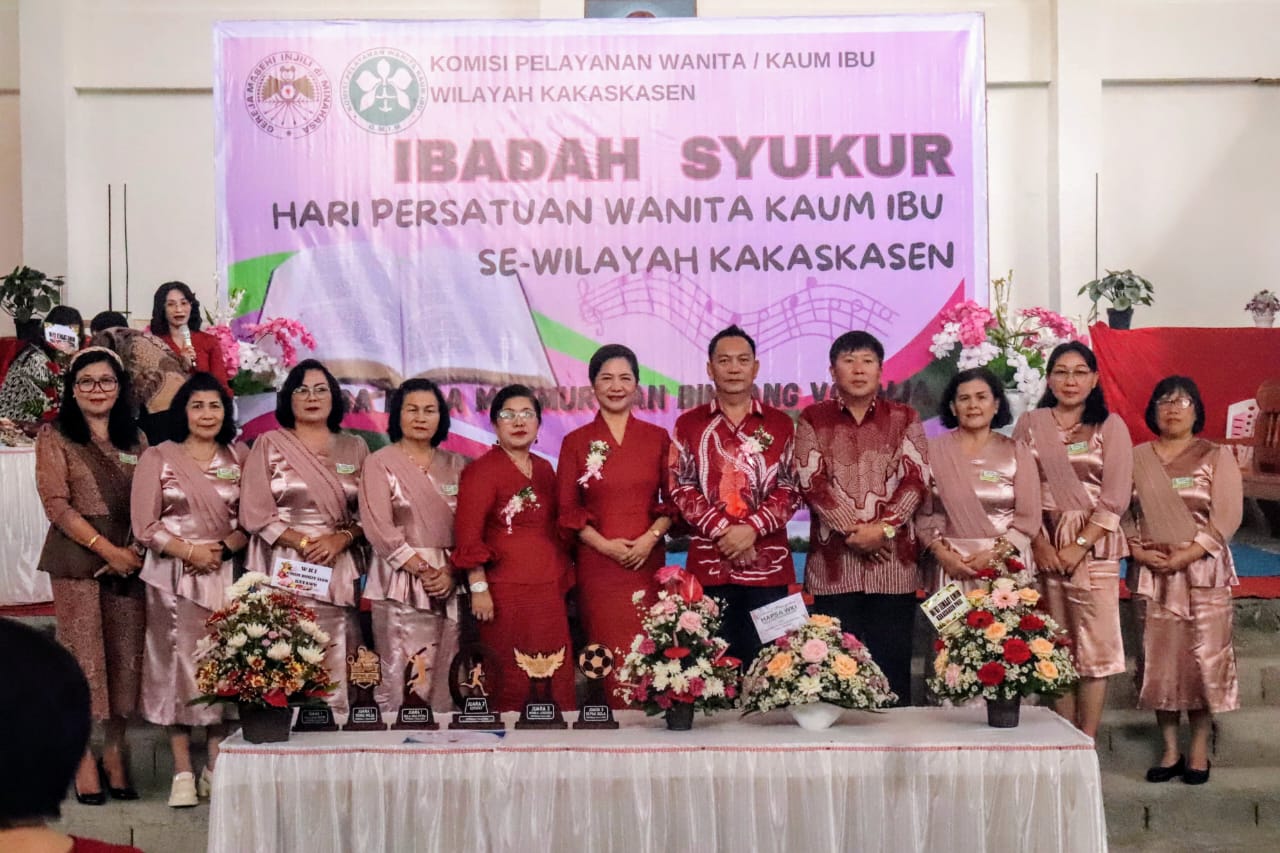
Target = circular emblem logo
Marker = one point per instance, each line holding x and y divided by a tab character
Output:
288	94
382	90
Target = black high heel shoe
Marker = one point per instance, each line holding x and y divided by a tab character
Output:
96	799
1197	777
126	793
1164	774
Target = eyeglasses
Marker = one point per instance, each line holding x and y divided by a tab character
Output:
522	415
1174	403
314	391
88	386
1064	375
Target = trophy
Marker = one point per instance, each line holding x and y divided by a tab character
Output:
595	662
415	711
318	718
473	675
540	710
364	672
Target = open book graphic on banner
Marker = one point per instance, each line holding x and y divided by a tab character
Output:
382	318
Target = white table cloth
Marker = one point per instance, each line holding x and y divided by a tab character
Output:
22	530
909	779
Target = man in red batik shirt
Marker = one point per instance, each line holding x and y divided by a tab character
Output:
860	460
731	477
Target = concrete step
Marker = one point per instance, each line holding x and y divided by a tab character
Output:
1239	807
1129	741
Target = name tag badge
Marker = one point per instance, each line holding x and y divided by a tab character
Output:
231	473
989	476
449	489
129	458
344	468
1180	483
1078	448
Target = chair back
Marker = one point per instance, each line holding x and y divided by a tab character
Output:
1266	431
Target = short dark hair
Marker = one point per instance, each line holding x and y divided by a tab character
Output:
1167	386
611	351
510	393
44	708
1095	405
854	341
284	398
396	404
180	428
107	320
1003	414
734	331
159	323
121	428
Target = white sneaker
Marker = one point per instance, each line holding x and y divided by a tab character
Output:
204	785
182	793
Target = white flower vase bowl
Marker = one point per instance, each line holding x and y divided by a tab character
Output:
1264	319
816	716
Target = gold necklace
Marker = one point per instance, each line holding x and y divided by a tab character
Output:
525	467
425	466
191	452
1067	429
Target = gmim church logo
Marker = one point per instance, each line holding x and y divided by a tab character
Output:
288	94
382	90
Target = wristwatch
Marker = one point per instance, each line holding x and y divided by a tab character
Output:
480	586
1082	542
889	530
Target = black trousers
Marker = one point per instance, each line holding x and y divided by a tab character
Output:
885	623
736	626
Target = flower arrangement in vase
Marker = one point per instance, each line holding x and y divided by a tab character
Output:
815	671
1013	345
1004	648
677	665
264	651
1263	306
258	356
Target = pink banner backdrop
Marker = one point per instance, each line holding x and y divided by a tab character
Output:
484	202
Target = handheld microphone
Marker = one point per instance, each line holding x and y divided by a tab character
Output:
186	336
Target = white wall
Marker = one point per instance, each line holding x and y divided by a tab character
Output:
118	91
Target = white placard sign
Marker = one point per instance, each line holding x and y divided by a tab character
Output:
62	338
303	578
779	618
946	606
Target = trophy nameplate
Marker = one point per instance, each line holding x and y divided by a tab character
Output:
364	673
415	711
595	662
540	710
315	719
473	676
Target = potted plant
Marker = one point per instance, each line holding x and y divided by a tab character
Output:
265	653
815	671
677	665
1003	648
1123	290
1263	306
26	293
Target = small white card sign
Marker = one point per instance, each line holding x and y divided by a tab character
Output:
62	338
783	616
946	606
303	578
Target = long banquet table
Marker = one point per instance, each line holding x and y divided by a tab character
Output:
22	530
909	779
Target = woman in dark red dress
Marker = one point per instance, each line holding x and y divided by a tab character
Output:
611	477
507	540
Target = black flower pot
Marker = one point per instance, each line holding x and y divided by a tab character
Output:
680	717
265	724
1003	713
1119	319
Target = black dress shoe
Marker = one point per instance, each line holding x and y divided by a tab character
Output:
126	793
1197	777
1164	774
98	799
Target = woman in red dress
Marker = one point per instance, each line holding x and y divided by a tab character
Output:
508	542
611	479
176	308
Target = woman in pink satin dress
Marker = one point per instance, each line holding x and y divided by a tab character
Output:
1187	504
185	506
1085	459
408	496
984	500
298	501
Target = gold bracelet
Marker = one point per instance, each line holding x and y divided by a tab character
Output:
656	534
351	537
89	545
191	547
303	543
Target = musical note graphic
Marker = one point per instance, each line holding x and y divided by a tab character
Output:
821	310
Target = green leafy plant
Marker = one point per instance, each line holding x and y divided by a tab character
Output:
25	293
1123	290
